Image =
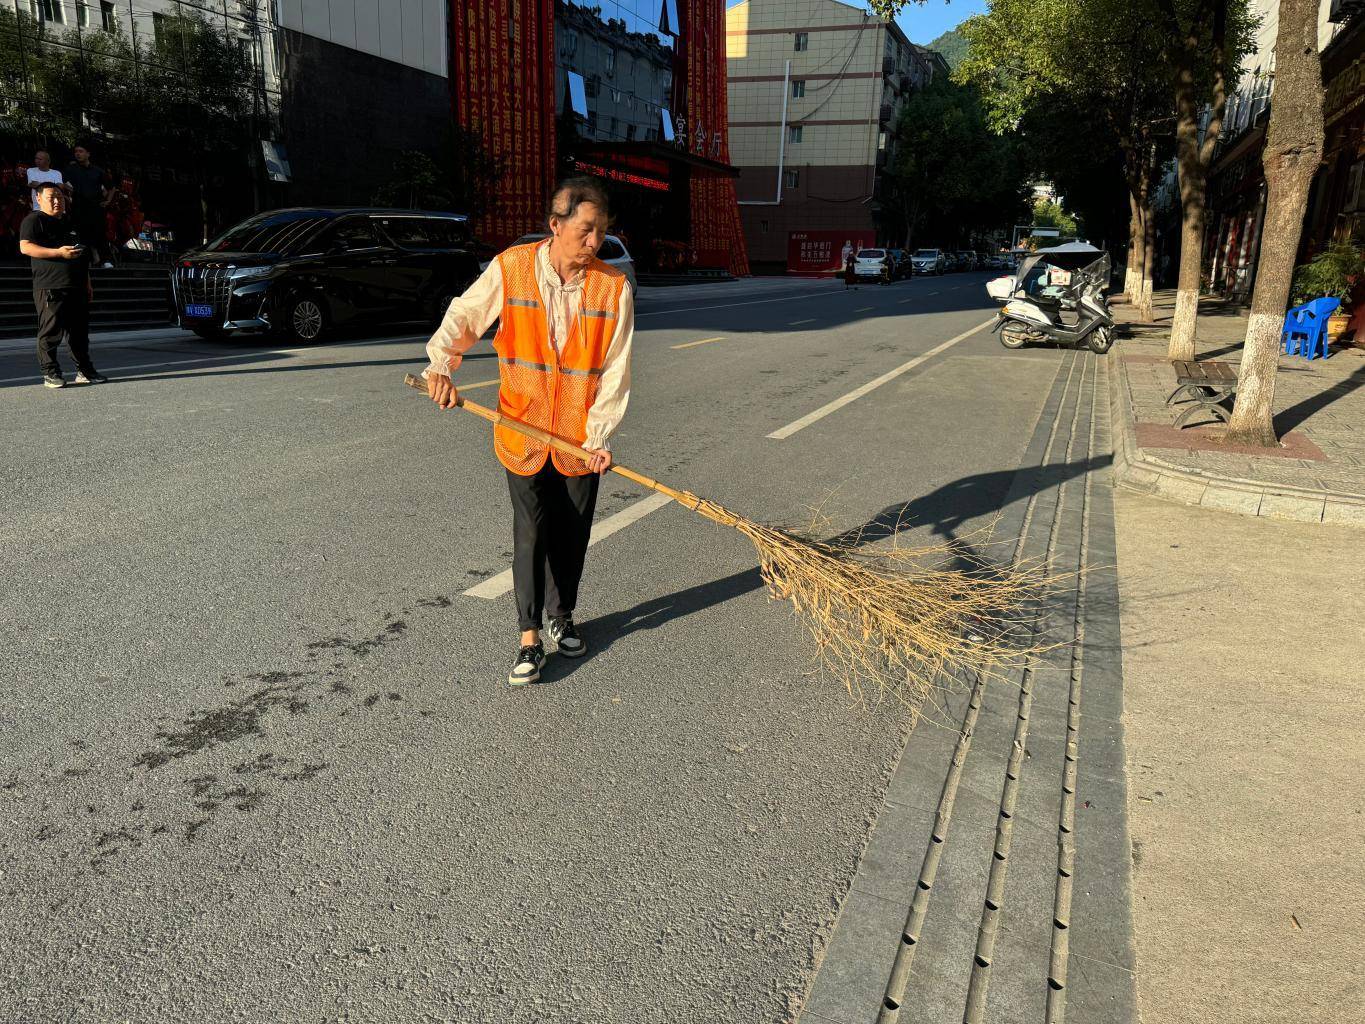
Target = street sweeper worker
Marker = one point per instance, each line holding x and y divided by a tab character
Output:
563	344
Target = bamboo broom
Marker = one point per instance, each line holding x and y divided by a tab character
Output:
894	618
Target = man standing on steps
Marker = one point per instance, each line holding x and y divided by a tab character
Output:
61	286
563	344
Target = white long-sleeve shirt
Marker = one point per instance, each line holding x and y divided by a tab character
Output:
470	315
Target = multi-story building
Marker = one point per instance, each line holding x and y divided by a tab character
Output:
337	91
815	90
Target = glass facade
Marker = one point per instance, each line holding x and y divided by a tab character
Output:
614	67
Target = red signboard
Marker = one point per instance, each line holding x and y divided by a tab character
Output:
624	176
493	42
824	252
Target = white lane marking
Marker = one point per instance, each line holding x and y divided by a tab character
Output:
929	294
865	309
496	586
691	344
904	301
798	323
857	393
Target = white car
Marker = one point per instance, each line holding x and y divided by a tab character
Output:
613	252
870	263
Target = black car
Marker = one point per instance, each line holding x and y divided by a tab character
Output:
901	267
300	272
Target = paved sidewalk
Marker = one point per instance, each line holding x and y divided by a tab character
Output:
1317	476
1246	809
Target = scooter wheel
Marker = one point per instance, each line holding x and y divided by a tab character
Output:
1101	341
1013	336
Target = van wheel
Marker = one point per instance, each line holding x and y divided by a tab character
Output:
305	318
1101	341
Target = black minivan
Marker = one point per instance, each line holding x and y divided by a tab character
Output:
299	272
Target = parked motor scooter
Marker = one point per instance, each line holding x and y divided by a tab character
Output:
1035	310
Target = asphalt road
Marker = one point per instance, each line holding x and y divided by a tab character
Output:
259	759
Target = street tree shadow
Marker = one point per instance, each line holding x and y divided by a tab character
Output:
946	511
1301	411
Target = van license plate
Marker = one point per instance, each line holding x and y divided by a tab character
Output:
199	311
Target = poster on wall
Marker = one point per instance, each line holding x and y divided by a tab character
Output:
824	252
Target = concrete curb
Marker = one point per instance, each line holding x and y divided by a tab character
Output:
1139	469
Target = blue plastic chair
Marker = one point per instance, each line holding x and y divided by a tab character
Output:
1305	328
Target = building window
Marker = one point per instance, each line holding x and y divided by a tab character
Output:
802	42
793	133
611	128
49	10
107	15
594	86
798	89
158	27
763	226
592	123
83	13
791	179
630	133
881	141
611	62
578	100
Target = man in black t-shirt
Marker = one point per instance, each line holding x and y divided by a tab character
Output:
61	287
89	197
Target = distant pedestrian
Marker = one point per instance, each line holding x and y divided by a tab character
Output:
850	271
89	199
41	171
61	287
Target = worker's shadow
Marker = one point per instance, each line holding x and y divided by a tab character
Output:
966	505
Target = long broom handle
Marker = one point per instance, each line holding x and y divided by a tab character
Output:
559	444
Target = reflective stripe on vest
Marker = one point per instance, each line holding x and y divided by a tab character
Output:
549	391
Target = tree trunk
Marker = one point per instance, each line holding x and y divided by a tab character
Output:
1193	158
1292	153
1144	303
1132	273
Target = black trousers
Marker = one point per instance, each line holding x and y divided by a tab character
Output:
90	226
551	524
62	313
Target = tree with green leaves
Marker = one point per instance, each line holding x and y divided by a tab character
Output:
1048	213
1082	81
1145	63
951	173
1294	140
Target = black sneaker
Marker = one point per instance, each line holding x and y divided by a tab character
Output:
526	669
91	377
565	635
54	380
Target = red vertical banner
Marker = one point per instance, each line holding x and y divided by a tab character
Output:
502	87
714	205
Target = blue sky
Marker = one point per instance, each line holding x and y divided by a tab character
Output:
925	22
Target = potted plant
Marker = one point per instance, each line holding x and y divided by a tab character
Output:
1332	273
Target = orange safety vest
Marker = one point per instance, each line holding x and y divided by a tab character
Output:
548	390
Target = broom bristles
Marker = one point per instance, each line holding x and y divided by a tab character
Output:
899	620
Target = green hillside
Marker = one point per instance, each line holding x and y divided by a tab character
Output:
952	46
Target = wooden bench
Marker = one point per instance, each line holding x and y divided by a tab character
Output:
1208	383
